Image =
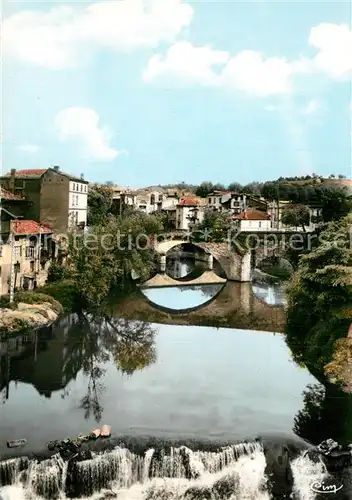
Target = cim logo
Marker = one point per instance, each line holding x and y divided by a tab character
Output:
320	487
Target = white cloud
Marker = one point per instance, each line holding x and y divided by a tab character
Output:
82	125
187	63
311	108
61	37
249	70
334	43
29	148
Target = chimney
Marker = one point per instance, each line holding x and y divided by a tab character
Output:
12	180
56	168
82	177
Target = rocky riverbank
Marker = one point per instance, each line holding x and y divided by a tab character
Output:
38	311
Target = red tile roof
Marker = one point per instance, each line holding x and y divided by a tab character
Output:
252	215
6	195
29	227
32	172
189	202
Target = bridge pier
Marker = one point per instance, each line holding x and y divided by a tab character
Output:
162	263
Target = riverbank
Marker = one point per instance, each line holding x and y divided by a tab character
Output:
33	309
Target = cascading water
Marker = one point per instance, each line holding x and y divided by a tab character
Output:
235	472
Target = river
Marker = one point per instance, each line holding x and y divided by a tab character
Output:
175	385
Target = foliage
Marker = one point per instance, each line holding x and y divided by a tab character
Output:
320	297
296	216
100	200
30	297
335	204
208	187
105	258
65	292
56	272
214	227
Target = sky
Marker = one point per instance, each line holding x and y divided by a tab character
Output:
146	92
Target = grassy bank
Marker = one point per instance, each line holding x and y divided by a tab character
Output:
35	308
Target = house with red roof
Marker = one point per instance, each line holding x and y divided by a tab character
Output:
189	212
252	220
56	198
28	246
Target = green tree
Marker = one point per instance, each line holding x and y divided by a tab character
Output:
204	189
320	296
296	216
215	225
99	204
105	257
336	203
236	187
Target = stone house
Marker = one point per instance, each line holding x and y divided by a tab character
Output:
29	247
55	198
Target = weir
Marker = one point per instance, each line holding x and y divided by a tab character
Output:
249	470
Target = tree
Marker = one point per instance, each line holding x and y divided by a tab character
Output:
99	204
204	189
215	225
296	216
105	257
336	204
236	187
320	296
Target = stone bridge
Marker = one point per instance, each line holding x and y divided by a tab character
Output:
235	306
236	266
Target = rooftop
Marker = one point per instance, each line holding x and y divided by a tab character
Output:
189	202
252	215
6	195
38	172
30	227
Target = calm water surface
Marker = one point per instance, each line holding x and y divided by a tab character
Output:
175	381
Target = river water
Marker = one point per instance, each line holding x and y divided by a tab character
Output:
161	387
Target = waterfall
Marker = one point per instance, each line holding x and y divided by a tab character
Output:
234	472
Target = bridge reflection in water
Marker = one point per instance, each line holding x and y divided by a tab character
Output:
232	305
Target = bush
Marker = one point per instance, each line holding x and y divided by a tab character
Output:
64	292
56	272
30	297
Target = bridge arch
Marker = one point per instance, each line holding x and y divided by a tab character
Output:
237	267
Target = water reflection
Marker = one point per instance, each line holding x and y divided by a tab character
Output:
183	381
273	295
187	269
179	298
50	358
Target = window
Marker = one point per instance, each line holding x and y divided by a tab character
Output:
73	200
1	251
73	187
76	199
209	200
17	251
260	224
31	266
81	188
76	217
17	267
30	252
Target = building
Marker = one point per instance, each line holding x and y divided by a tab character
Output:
276	209
54	197
29	247
252	220
217	198
189	212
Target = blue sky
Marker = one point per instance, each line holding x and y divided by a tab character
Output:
144	92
